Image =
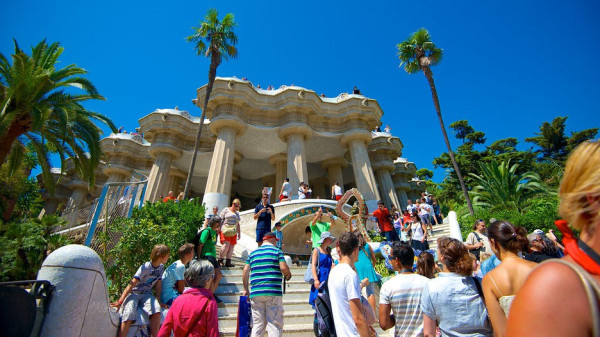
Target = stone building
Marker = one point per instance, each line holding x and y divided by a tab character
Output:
254	138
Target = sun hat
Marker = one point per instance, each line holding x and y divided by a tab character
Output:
326	235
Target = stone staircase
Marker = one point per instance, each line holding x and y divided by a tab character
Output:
298	314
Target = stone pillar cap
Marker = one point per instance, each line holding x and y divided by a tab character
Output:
333	162
295	128
277	158
220	122
75	256
170	149
361	135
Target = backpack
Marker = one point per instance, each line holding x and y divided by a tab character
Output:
324	322
196	241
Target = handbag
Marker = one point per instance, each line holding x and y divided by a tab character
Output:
368	311
308	275
229	230
244	320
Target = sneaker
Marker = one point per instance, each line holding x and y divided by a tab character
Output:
228	263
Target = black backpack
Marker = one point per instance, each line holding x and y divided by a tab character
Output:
324	324
196	242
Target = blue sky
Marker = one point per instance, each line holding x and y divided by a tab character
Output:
508	65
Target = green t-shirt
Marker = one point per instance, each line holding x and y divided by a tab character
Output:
318	228
209	240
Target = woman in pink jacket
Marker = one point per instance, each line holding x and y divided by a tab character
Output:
194	313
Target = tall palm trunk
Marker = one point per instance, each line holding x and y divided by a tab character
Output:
212	74
429	75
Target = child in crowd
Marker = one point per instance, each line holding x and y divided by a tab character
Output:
173	281
139	292
278	234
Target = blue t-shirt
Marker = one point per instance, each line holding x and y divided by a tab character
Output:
279	236
264	220
172	274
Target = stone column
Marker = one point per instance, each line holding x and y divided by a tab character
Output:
50	206
361	165
218	183
334	167
296	155
159	176
80	190
386	186
280	162
116	173
176	176
402	198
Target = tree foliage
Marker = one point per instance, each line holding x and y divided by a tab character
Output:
25	246
172	224
41	109
552	142
500	187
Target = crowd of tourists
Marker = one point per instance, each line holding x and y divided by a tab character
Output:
501	281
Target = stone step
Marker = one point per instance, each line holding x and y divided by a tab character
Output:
293	294
288	305
289	317
291	330
238	286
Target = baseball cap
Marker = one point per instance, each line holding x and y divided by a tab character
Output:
538	232
270	235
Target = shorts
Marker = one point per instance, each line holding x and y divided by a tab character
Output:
260	233
370	289
147	302
391	236
426	219
338	197
212	260
231	239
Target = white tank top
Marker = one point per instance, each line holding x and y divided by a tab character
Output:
337	190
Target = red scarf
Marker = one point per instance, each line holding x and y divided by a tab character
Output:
572	249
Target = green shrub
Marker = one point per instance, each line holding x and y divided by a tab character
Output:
25	246
541	214
169	223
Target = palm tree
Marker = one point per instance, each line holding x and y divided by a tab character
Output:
40	109
214	39
418	53
500	187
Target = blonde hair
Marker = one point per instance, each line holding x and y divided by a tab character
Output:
236	201
158	252
580	180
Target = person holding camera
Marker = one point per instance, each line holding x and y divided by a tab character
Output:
477	241
264	213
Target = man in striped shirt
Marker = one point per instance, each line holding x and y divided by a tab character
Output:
402	295
264	268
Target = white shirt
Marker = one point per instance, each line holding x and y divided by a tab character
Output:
286	189
344	286
403	294
417	231
337	190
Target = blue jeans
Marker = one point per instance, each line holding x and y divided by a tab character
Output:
391	236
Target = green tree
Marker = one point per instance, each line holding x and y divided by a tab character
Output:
26	244
39	109
172	224
499	186
418	53
553	144
424	174
214	39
